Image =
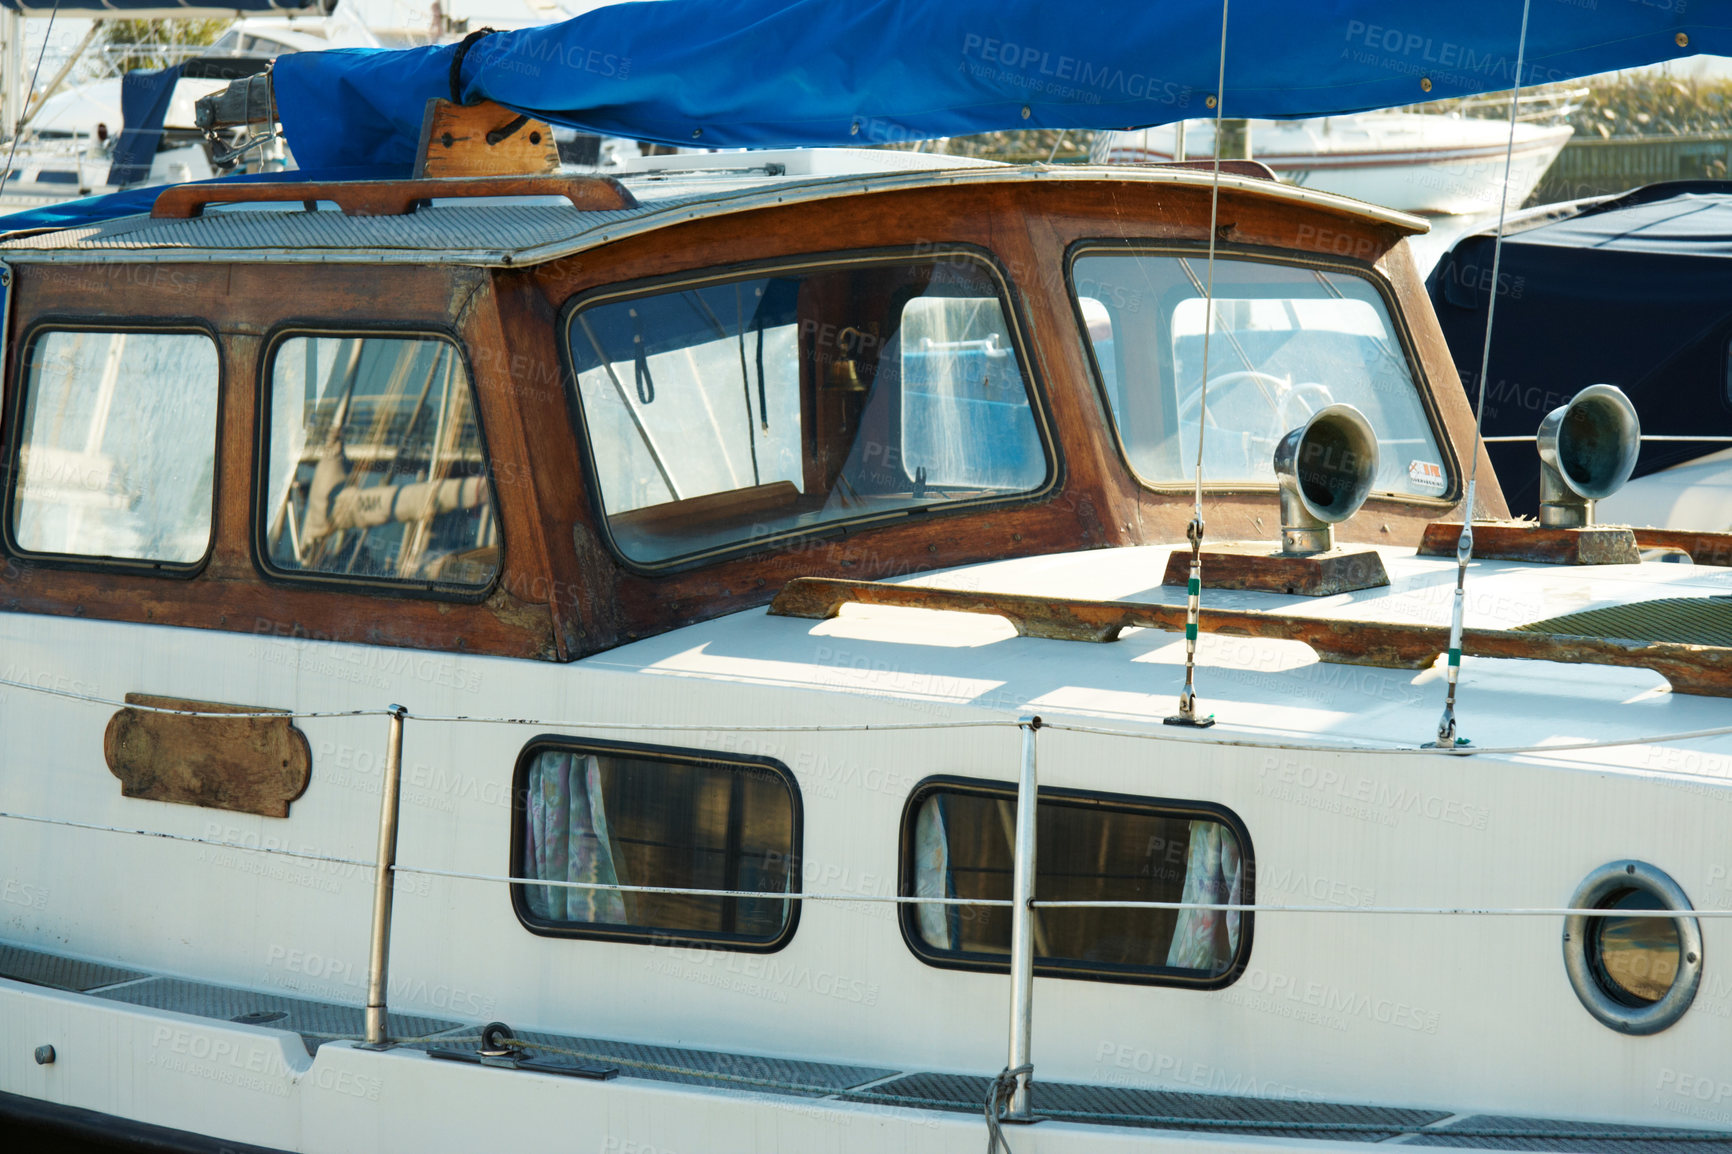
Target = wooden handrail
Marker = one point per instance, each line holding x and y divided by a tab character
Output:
394	197
1705	547
1703	670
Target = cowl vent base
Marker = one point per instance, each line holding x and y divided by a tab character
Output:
1531	541
1254	565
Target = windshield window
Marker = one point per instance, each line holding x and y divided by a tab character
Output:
1287	341
745	410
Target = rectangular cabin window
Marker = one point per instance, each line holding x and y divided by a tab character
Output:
117	446
376	467
1286	341
732	412
609	816
957	843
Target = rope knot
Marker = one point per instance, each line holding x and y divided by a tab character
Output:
998	1101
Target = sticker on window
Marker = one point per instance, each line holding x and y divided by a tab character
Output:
1426	474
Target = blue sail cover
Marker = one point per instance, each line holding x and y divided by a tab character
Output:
767	73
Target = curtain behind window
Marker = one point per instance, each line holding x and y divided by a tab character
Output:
1208	939
567	840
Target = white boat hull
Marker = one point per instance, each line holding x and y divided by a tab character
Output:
1458	1014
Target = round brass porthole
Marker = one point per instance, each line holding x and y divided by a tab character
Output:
1637	974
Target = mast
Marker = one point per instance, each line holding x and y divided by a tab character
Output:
12	94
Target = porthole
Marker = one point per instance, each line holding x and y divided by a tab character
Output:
1637	974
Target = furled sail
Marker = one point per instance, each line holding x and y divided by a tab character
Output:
763	73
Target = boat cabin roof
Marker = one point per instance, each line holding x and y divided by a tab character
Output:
504	231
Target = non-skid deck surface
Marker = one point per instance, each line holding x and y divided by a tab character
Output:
1163	1109
316	1022
40	969
1606	1138
697	1067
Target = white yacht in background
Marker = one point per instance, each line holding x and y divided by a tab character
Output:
1416	162
67	143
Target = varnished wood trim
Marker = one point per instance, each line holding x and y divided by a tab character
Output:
1704	670
394	197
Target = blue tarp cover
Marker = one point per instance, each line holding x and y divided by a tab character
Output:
765	73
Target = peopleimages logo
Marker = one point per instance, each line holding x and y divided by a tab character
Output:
1376	799
1063	71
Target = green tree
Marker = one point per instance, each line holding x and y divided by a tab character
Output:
134	44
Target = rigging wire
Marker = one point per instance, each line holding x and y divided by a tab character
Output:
1446	731
1187	714
746	382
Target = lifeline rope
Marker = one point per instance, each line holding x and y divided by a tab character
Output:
1446	735
885	899
916	726
1187	714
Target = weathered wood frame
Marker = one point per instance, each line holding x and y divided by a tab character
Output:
561	593
12	413
272	346
1368	272
886	259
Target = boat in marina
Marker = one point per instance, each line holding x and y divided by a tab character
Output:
1420	162
817	649
136	129
1630	290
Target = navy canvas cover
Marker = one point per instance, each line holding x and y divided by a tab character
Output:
145	94
1634	292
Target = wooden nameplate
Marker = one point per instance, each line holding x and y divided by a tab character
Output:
1531	541
255	761
1254	565
483	140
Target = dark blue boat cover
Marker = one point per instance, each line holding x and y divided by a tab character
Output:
1634	292
766	73
145	94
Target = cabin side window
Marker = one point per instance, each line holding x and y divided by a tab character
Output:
730	413
376	469
957	842
598	817
1284	341
116	446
